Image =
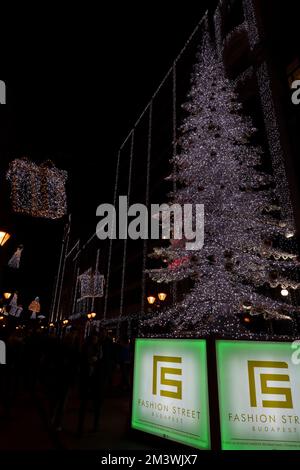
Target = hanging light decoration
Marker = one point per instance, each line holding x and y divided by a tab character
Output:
91	284
15	260
34	307
37	190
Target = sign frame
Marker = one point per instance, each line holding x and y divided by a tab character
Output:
161	431
260	381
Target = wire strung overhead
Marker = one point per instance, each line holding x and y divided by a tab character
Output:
125	241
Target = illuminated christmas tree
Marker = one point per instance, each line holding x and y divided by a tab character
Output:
248	263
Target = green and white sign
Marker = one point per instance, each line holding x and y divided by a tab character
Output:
259	395
170	391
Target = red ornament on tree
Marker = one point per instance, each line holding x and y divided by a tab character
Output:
177	263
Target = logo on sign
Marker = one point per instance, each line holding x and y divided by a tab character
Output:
260	384
161	372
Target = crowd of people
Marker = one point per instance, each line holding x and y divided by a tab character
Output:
52	365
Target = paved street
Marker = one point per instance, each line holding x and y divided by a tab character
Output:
29	428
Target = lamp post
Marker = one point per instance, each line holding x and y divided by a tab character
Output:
91	316
152	301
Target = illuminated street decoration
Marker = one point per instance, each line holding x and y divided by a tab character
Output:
37	190
34	308
91	284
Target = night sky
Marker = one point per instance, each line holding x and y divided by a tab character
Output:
76	83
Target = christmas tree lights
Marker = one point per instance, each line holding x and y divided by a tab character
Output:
218	166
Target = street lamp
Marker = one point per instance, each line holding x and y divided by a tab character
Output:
151	299
7	295
65	322
93	314
4	236
162	296
89	315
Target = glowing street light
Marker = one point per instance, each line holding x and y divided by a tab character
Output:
151	299
4	236
162	296
7	295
